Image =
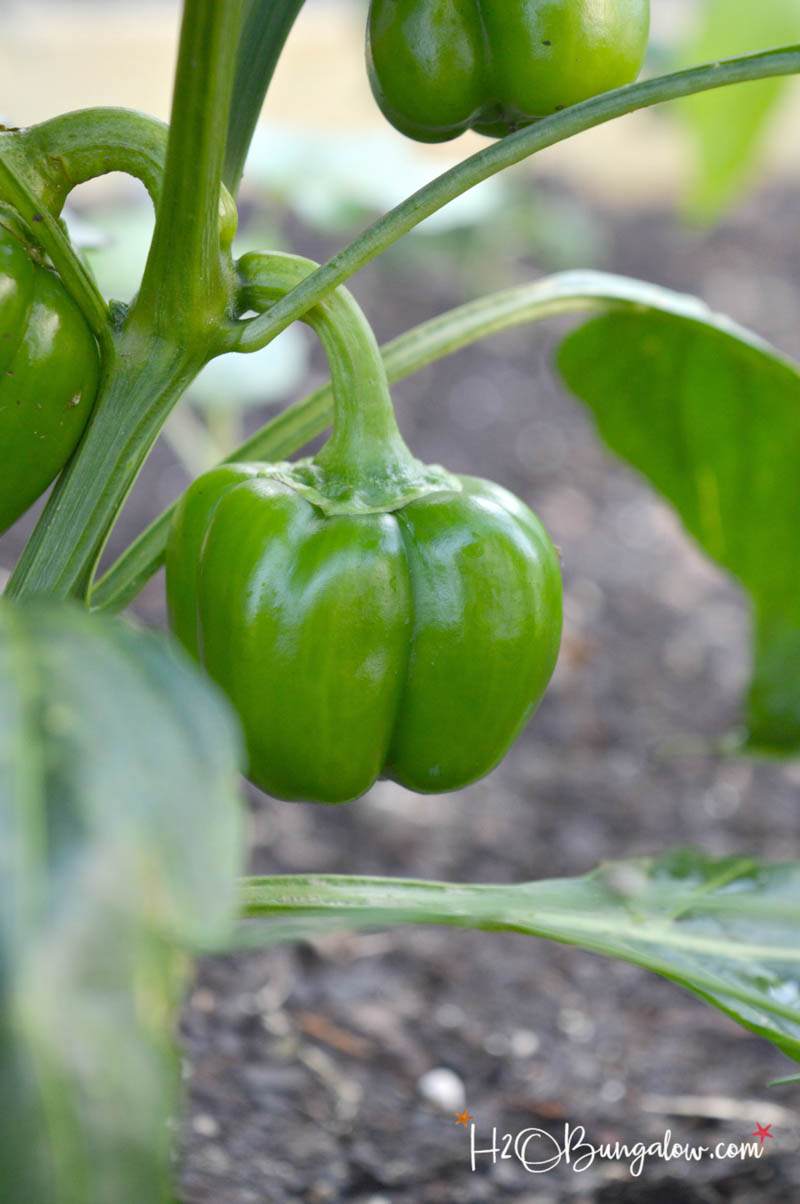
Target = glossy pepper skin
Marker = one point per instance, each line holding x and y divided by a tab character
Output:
49	370
412	644
440	67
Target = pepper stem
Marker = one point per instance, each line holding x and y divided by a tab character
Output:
64	151
366	455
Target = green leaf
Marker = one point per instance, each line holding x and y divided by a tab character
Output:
726	930
727	127
267	25
119	843
711	416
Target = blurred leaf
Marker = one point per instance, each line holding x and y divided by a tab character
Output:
711	416
244	381
726	930
727	126
119	841
83	233
118	249
331	180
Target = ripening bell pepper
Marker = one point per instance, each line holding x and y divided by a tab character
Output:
49	370
440	67
367	615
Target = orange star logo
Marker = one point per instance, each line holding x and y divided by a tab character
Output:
462	1118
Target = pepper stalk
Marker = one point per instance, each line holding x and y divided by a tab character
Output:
365	466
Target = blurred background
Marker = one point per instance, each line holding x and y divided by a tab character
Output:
308	1070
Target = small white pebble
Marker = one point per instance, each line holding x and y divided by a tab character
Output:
205	1125
575	1024
612	1091
444	1089
524	1043
449	1015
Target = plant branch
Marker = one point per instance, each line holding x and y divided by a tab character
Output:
685	926
545	908
257	332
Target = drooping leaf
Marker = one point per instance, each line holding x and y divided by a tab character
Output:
727	127
711	416
266	25
119	844
728	930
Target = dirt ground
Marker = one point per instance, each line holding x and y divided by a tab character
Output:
304	1065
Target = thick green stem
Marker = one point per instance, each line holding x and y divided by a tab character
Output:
366	443
173	328
267	24
505	153
186	284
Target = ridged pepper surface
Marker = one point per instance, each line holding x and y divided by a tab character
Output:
367	615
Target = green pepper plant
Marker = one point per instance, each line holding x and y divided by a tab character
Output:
349	616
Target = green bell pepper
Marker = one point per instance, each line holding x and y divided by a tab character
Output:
49	371
367	615
440	67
